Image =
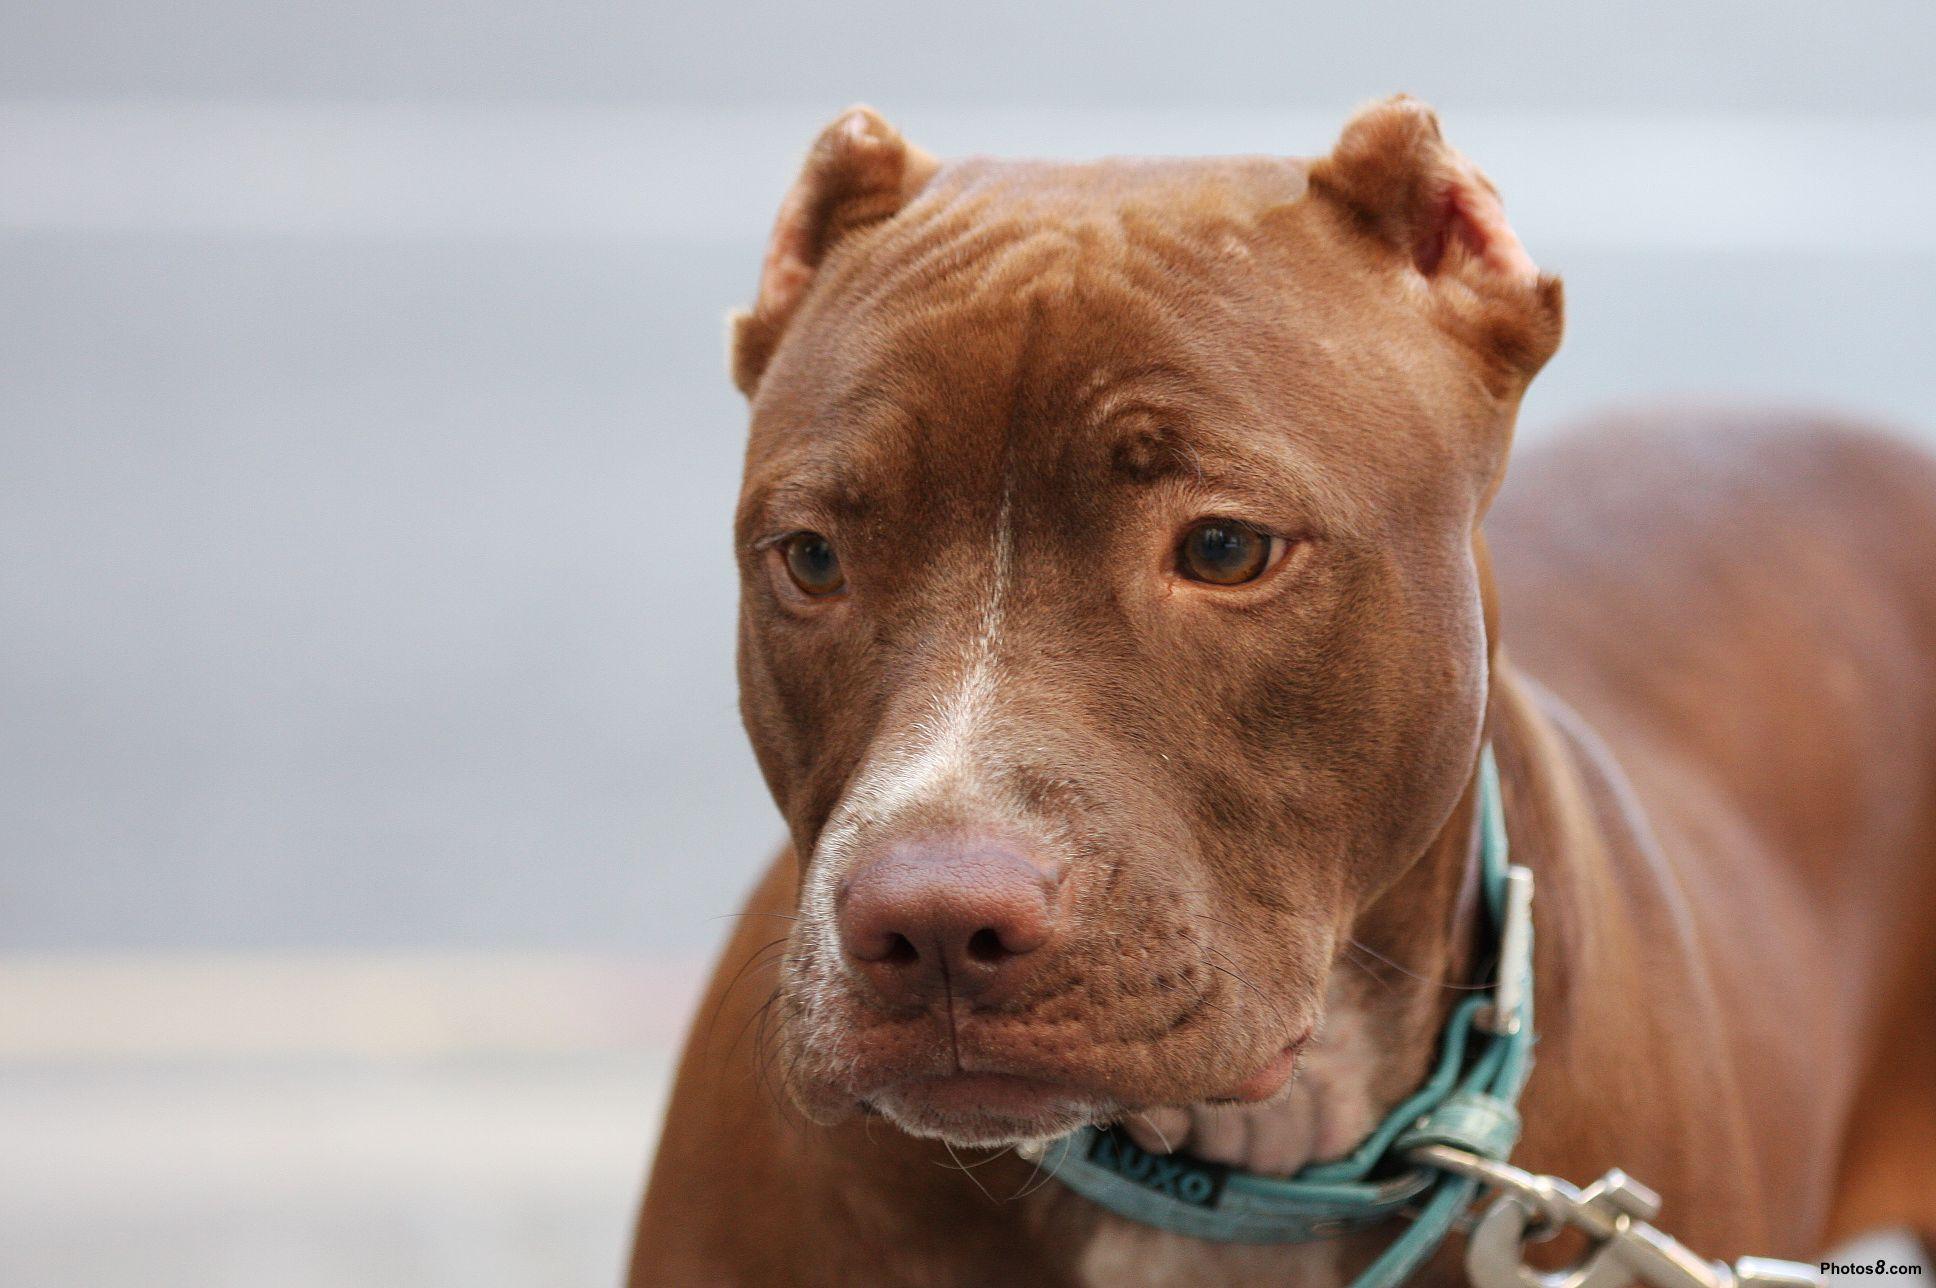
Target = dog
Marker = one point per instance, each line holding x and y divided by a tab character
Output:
1125	607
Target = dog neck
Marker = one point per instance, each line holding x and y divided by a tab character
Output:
1402	966
1406	959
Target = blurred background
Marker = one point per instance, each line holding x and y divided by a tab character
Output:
371	784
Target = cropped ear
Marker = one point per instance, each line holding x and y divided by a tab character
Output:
1431	211
860	171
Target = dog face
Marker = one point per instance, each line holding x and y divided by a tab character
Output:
1110	633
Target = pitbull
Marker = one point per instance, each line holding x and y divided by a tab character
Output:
1124	610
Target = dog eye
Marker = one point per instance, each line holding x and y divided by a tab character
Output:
1223	552
812	564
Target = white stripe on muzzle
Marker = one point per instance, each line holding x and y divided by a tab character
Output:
942	753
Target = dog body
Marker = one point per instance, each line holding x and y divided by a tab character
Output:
1118	639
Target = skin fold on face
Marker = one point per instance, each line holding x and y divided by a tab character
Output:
1109	527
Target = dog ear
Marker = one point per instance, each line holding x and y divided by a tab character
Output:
859	171
1425	207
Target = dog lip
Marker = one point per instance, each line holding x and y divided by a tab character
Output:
1001	1095
1269	1080
987	1110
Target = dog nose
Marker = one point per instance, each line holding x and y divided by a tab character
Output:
948	918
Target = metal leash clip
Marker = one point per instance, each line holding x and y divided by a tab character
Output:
1613	1213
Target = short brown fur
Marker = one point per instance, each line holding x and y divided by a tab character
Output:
1000	389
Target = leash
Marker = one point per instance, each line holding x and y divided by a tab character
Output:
1430	1157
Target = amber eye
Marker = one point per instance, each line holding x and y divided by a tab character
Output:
1223	552
812	563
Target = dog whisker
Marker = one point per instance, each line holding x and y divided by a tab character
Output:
966	1172
967	1167
1368	973
1160	1135
1023	1190
1411	974
1270	1004
1037	1181
727	992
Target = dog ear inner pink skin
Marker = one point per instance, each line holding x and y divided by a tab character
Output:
1087	835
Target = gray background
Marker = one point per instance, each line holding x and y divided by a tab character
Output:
366	457
371	786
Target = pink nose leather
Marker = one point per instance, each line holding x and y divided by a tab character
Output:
948	918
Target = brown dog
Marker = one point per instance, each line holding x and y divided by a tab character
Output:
1118	639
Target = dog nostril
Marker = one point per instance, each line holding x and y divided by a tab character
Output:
986	946
934	919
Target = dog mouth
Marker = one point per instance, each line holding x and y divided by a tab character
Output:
996	1076
989	1110
1267	1081
993	1109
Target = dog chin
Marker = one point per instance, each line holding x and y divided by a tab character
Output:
988	1111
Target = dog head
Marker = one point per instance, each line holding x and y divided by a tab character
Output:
1111	635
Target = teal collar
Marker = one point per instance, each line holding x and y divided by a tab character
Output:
1467	1102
